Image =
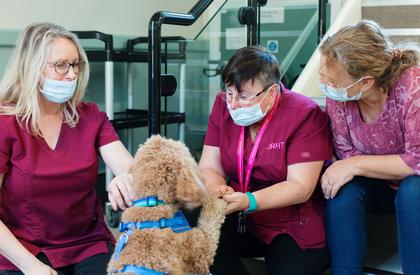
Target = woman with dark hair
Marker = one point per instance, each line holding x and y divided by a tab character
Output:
264	151
373	91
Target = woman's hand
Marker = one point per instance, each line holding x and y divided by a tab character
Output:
120	191
39	268
338	174
224	190
236	201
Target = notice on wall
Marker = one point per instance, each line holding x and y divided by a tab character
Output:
235	38
271	15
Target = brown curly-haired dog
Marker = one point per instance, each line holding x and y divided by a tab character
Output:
165	168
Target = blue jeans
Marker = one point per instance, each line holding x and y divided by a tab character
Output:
346	222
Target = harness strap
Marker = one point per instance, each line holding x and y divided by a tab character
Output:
178	223
120	245
141	270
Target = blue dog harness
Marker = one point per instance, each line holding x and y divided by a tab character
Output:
140	270
178	223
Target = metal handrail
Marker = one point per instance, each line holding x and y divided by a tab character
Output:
322	19
154	37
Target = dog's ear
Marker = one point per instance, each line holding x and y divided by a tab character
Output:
189	188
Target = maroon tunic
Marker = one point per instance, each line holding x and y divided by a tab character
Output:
297	133
48	199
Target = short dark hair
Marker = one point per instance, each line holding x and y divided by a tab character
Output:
251	63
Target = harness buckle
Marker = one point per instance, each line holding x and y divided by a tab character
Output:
163	223
122	227
152	201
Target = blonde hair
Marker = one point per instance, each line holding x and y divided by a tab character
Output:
19	88
364	50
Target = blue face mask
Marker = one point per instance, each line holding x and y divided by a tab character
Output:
340	94
58	91
246	116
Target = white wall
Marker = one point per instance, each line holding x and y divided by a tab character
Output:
124	17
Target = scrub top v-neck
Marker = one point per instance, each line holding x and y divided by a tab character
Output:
48	198
298	133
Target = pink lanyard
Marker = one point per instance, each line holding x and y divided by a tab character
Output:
240	149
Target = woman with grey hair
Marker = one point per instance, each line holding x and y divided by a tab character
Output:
51	221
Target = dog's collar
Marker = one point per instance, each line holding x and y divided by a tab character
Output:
141	270
150	201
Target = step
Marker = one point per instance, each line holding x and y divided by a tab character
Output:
400	35
381	255
382	260
398	39
393	16
378	262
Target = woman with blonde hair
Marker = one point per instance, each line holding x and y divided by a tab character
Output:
373	100
51	220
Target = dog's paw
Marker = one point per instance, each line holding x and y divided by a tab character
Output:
214	204
213	210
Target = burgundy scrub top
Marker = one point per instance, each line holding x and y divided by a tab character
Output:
297	133
47	198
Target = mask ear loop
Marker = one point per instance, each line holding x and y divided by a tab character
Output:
41	79
269	105
351	85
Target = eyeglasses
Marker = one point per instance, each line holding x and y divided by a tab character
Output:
63	67
243	100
